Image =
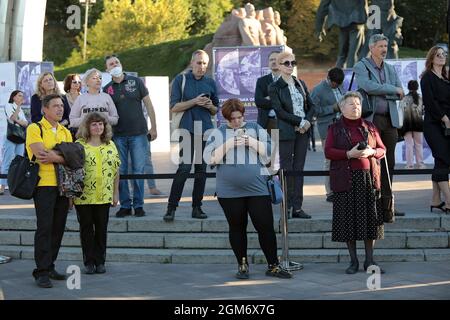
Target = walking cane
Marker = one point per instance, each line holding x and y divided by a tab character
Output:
285	262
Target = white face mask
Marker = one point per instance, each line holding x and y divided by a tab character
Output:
116	71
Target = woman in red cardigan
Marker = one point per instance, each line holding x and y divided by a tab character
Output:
354	147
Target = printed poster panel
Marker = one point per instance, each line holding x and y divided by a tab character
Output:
407	69
236	70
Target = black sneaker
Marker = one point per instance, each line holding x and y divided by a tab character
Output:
352	268
368	264
100	268
243	272
300	214
198	213
330	198
43	281
90	269
170	215
277	271
54	275
123	212
139	212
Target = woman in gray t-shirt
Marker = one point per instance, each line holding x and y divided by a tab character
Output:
239	151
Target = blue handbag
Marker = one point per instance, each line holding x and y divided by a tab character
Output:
275	191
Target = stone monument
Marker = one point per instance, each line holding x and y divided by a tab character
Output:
250	28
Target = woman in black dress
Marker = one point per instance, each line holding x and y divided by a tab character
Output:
354	147
436	128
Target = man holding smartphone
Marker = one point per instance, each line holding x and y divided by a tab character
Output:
196	97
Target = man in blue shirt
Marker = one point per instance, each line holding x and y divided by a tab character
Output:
195	95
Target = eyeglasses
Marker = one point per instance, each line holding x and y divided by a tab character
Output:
292	63
76	82
441	55
48	80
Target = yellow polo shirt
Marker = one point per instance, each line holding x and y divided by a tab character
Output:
50	137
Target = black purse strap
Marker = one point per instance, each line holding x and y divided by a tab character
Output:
33	158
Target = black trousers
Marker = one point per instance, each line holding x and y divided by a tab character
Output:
389	136
260	211
51	216
292	157
93	219
182	173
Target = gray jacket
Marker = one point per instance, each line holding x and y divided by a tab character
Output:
373	86
324	100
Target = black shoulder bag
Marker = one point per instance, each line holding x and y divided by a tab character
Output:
366	107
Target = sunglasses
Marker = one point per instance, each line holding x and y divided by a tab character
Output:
76	82
289	63
441	55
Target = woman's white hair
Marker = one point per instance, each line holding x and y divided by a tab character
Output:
88	74
350	94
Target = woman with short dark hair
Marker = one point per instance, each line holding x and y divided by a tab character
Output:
239	150
14	114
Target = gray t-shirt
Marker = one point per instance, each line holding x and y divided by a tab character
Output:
241	173
127	97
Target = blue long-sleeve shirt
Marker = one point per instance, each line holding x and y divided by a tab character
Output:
192	89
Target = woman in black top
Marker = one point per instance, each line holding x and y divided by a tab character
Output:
436	98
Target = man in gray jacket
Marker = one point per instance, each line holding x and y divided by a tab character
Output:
326	96
383	87
350	16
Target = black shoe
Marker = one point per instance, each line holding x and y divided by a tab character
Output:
330	198
197	213
100	268
373	263
352	268
300	214
139	212
123	212
398	213
440	207
277	271
43	281
170	214
53	274
90	269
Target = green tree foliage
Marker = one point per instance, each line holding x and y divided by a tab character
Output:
207	15
424	22
300	31
127	24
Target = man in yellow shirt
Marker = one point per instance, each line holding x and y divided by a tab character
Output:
51	209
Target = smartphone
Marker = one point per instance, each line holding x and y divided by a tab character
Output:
205	95
149	137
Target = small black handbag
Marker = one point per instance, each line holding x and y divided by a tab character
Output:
15	133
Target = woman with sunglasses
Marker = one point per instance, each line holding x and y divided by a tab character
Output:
46	85
72	87
294	108
435	87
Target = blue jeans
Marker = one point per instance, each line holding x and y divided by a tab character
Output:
137	148
10	150
149	167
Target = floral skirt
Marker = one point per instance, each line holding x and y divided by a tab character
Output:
357	213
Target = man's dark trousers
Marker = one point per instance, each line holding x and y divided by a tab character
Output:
182	173
51	216
389	136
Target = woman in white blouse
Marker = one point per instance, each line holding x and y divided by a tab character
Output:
294	108
14	114
93	101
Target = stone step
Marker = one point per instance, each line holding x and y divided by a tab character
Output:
410	223
318	240
196	256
